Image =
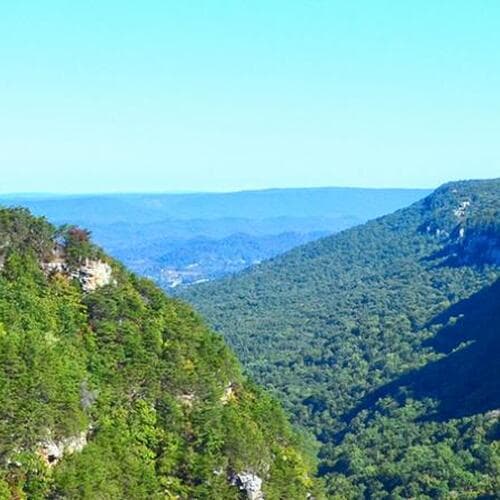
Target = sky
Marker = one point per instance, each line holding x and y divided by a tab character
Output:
218	95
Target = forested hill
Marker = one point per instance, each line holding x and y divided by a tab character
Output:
384	340
110	390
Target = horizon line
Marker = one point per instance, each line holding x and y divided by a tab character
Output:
48	194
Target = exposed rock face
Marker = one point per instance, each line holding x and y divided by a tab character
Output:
52	451
229	394
460	211
250	483
432	229
93	274
493	414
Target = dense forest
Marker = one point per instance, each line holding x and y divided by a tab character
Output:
384	340
110	390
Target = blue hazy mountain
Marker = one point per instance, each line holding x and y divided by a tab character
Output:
178	239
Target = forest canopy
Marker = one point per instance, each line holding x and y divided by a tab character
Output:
109	389
384	341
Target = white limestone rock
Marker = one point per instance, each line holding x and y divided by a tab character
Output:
493	414
52	451
94	274
250	483
460	211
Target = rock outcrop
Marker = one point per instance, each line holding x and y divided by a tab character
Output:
229	394
493	414
93	274
52	451
250	483
461	210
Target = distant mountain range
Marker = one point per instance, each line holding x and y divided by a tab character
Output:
384	340
178	239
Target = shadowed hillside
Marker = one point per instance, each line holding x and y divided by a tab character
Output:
383	340
464	381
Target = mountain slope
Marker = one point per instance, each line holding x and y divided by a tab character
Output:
383	340
108	389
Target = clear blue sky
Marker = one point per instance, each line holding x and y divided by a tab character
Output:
105	95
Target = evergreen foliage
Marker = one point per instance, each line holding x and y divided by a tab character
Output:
384	340
134	372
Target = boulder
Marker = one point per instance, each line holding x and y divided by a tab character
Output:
250	483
